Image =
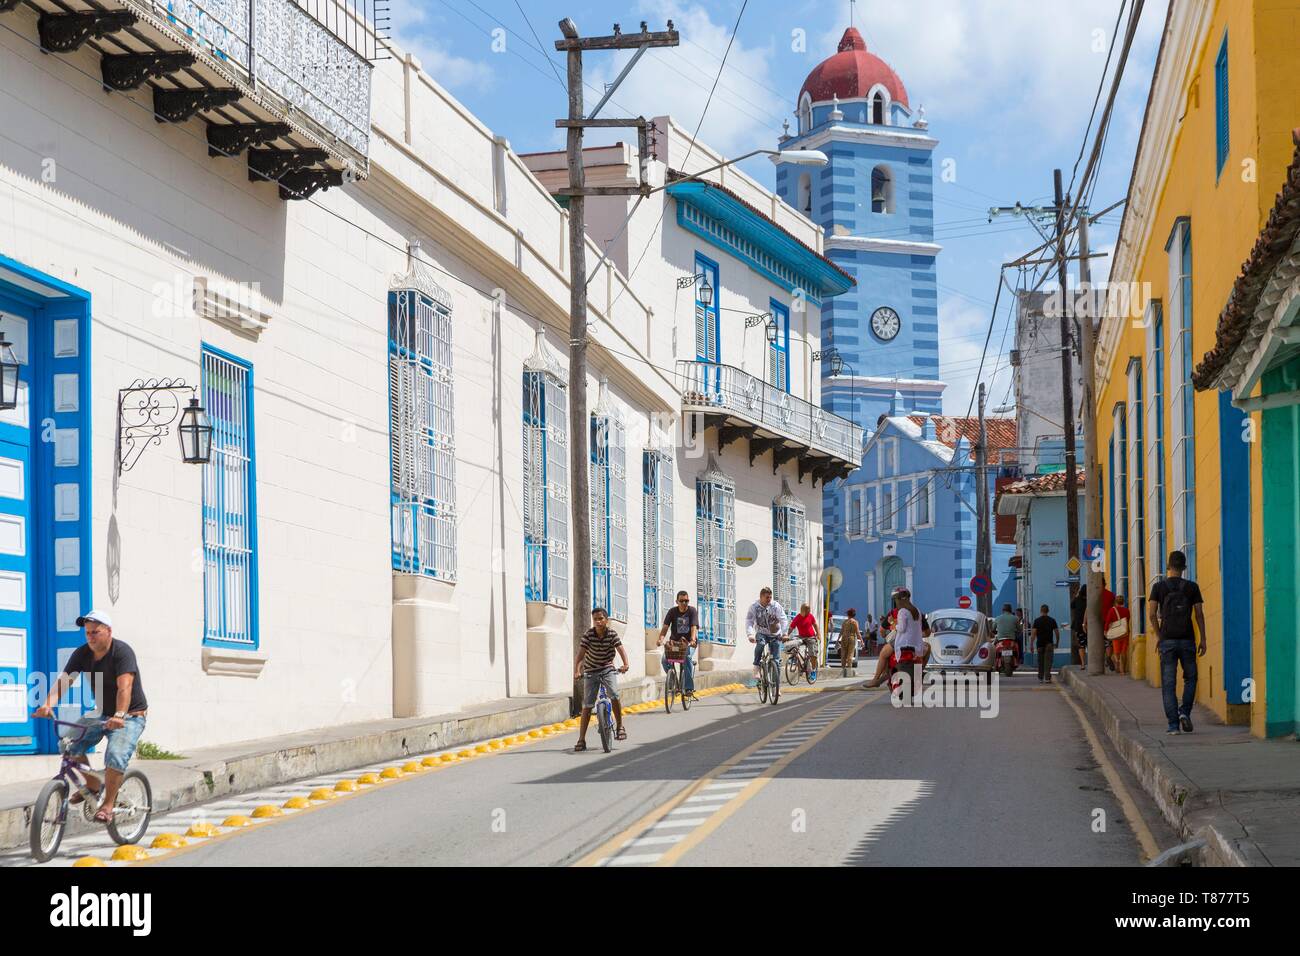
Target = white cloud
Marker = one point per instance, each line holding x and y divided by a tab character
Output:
744	113
414	32
1020	64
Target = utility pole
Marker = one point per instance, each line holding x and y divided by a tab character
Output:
1092	486
579	426
982	546
1067	398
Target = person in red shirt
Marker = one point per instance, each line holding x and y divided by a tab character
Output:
806	624
1118	645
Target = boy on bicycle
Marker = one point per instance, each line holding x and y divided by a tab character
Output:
595	662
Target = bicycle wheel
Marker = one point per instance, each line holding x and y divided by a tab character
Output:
134	808
762	682
793	666
605	720
686	698
49	816
774	677
670	688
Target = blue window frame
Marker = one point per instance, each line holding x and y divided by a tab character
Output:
421	435
1182	407
657	529
546	488
1159	518
708	346
1137	493
789	551
1221	139
715	556
229	504
778	352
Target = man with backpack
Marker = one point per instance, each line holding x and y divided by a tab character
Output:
1175	600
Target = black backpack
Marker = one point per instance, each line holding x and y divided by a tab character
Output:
1176	611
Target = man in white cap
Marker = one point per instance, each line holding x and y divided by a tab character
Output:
115	676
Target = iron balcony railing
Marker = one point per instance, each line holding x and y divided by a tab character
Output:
319	69
725	390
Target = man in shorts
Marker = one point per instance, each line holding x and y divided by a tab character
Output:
595	663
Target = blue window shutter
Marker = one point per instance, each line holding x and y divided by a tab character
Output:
1221	140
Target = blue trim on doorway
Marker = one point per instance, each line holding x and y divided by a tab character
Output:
1234	548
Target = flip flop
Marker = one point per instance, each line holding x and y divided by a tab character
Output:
103	815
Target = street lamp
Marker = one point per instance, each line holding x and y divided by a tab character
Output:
9	366
706	290
195	434
796	157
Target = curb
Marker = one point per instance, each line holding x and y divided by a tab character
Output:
265	766
1193	813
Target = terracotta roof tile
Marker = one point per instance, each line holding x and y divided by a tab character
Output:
1041	484
1001	432
1277	236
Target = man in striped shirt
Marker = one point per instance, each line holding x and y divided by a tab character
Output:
595	662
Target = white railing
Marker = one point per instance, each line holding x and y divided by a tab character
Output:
278	45
723	389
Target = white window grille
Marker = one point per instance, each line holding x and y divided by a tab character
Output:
789	551
1155	439
657	529
229	505
1120	501
715	554
1137	495
422	432
546	480
608	505
1182	411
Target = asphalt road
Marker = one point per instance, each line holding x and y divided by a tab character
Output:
839	777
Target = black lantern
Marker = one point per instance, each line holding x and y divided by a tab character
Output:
8	374
195	434
706	292
773	333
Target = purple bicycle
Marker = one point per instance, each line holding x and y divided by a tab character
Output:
130	817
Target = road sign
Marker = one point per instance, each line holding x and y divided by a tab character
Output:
1072	579
1093	548
746	553
963	601
1072	565
832	578
981	584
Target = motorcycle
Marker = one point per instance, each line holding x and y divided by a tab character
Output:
1007	655
905	669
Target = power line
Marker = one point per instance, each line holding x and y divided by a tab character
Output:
1101	84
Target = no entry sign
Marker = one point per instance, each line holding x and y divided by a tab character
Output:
963	602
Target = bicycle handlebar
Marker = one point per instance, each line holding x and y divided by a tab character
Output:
64	723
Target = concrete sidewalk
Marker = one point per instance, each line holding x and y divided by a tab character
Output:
1237	792
211	772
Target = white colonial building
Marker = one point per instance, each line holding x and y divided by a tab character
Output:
366	291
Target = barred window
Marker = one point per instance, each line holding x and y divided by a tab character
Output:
546	488
1181	408
789	551
422	432
1155	442
229	505
657	530
1137	493
715	556
609	515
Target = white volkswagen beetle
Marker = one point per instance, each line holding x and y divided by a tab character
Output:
960	640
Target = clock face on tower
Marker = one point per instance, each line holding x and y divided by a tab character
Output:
885	323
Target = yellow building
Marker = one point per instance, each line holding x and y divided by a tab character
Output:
1181	467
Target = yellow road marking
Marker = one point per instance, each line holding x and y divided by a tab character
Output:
1149	847
616	843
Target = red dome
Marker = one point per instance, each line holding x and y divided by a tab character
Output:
851	73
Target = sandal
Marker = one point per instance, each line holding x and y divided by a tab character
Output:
580	746
620	734
103	815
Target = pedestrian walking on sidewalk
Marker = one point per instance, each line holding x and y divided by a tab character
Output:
1078	642
1175	601
848	641
1117	634
1047	634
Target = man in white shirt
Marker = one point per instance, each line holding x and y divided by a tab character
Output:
765	622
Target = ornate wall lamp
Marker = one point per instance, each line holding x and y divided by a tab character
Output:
773	333
9	365
706	290
145	412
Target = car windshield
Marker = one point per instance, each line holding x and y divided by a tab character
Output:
959	625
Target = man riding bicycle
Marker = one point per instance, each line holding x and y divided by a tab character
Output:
766	619
595	663
684	622
806	625
115	678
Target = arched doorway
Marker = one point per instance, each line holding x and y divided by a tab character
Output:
891	574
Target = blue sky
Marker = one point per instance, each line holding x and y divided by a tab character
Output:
1007	87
